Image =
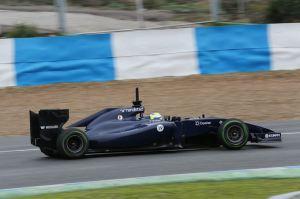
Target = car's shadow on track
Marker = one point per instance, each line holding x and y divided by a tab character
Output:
260	146
246	149
191	150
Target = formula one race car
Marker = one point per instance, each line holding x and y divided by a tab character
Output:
128	129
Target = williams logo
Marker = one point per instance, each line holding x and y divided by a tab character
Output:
131	110
49	127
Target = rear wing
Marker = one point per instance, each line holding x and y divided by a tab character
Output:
46	122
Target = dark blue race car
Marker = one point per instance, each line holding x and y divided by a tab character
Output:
128	129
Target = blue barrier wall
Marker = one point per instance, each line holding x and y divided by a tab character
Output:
63	59
149	53
233	49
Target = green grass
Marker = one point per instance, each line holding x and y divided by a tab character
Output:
255	188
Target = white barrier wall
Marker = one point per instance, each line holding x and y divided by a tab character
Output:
7	65
155	53
284	41
149	53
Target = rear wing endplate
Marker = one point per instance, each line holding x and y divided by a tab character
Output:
45	121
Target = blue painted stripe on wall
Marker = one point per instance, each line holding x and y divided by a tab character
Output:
82	58
233	49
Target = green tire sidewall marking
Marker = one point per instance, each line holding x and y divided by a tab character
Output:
61	145
223	130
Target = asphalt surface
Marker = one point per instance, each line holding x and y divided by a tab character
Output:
23	165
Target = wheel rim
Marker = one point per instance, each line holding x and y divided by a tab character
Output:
74	143
235	134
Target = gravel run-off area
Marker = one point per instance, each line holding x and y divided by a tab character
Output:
265	96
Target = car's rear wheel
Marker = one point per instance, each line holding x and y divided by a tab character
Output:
233	134
72	143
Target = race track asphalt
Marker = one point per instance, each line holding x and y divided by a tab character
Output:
23	165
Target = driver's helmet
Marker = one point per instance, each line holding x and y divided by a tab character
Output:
156	116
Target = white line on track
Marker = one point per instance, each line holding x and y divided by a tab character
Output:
19	150
291	133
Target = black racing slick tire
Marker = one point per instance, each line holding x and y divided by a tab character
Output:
72	143
233	134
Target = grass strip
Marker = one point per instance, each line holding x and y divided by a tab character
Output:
254	188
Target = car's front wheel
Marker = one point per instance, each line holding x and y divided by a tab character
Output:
233	134
72	143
